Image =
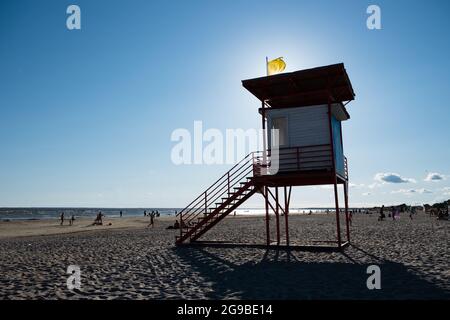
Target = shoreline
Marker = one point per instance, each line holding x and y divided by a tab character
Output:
17	214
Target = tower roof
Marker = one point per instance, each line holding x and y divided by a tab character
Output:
304	87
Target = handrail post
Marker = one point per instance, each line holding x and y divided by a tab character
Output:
346	168
206	205
228	183
181	224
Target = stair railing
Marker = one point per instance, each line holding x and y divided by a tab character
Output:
222	186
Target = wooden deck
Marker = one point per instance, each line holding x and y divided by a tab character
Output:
300	178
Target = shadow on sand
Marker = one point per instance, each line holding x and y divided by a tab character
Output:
278	274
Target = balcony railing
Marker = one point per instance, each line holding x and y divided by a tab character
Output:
292	159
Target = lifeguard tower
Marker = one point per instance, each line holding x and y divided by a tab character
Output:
307	107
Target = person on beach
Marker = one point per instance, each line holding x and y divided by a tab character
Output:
382	215
152	215
350	217
120	214
176	225
99	219
442	215
145	213
62	218
72	219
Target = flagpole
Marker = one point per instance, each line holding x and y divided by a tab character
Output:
265	130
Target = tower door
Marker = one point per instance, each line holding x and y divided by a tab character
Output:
337	145
280	124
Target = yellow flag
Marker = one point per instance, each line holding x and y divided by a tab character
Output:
275	66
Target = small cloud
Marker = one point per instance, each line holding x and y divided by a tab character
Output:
434	176
412	191
405	191
391	178
355	185
446	191
439	199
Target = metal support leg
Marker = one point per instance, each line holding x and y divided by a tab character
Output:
277	215
266	196
286	213
338	225
347	221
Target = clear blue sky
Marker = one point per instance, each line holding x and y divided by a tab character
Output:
86	115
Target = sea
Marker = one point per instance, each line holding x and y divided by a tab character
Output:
7	214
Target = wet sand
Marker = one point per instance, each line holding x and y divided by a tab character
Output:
127	260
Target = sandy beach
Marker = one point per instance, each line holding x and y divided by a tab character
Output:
25	228
127	260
